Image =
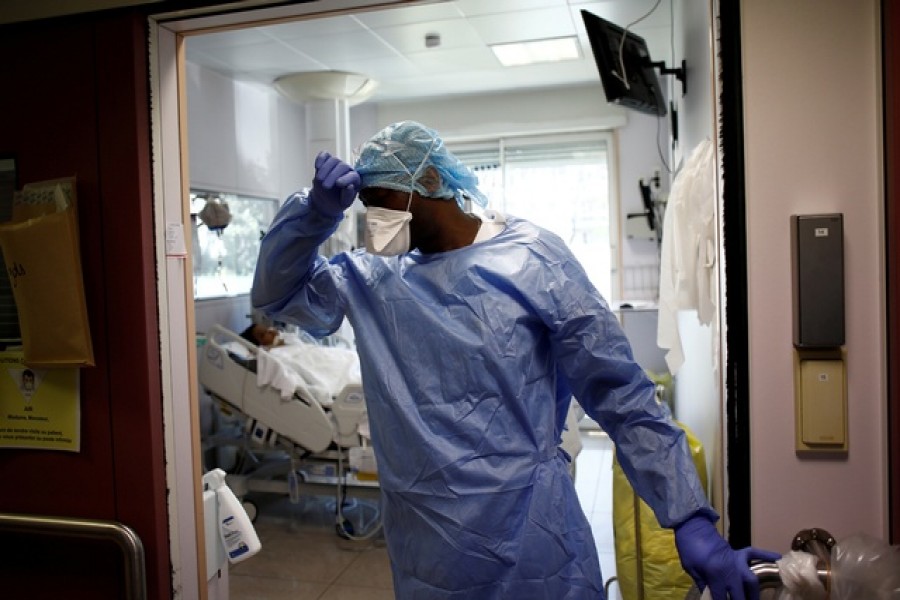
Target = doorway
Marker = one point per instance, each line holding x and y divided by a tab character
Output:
179	295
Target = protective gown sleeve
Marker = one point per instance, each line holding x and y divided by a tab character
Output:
595	358
292	282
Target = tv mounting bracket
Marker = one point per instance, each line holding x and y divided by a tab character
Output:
679	73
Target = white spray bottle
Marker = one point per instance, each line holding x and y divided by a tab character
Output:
236	531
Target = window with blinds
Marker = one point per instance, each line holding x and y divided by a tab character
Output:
563	183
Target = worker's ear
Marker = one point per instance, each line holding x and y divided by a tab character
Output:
430	180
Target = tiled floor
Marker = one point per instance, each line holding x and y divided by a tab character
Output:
302	558
593	482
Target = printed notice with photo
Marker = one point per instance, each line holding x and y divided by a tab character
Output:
39	408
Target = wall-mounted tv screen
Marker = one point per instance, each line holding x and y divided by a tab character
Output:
626	70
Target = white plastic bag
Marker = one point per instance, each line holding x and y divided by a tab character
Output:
799	578
864	567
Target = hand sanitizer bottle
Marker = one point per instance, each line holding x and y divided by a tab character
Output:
238	535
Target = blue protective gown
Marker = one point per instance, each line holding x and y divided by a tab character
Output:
469	359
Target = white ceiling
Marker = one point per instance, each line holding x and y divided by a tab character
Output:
389	45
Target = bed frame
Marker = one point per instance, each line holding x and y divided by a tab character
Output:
297	446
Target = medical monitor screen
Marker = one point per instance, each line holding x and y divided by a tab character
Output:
626	70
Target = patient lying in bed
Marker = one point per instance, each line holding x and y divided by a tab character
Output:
323	371
310	394
261	335
288	364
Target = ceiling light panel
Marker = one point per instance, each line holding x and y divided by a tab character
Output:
520	25
537	51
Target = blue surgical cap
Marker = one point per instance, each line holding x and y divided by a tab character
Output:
396	158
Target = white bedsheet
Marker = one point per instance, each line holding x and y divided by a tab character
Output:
319	372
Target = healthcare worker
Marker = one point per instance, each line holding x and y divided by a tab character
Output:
473	336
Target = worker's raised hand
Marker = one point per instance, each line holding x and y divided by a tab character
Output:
335	185
712	563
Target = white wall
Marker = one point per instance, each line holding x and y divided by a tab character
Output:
293	157
698	391
813	145
640	156
693	43
232	312
243	137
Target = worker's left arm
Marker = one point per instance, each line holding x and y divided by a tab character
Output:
596	360
292	281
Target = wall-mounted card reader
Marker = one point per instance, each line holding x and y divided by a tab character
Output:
820	399
817	252
820	372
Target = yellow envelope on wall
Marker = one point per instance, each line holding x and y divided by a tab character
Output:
42	257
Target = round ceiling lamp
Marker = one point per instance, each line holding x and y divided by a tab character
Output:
326	85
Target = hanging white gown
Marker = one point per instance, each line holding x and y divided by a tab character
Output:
688	269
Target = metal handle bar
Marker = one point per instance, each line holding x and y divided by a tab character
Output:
770	578
125	537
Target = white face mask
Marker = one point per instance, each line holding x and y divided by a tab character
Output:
387	231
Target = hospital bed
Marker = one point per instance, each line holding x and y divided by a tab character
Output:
305	426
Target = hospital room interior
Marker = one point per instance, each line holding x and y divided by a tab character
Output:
256	118
698	220
622	159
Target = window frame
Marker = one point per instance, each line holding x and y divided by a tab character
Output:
498	146
267	214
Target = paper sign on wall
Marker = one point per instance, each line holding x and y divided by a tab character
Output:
39	408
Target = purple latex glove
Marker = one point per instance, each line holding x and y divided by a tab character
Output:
711	562
335	185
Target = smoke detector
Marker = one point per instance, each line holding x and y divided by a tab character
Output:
432	40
